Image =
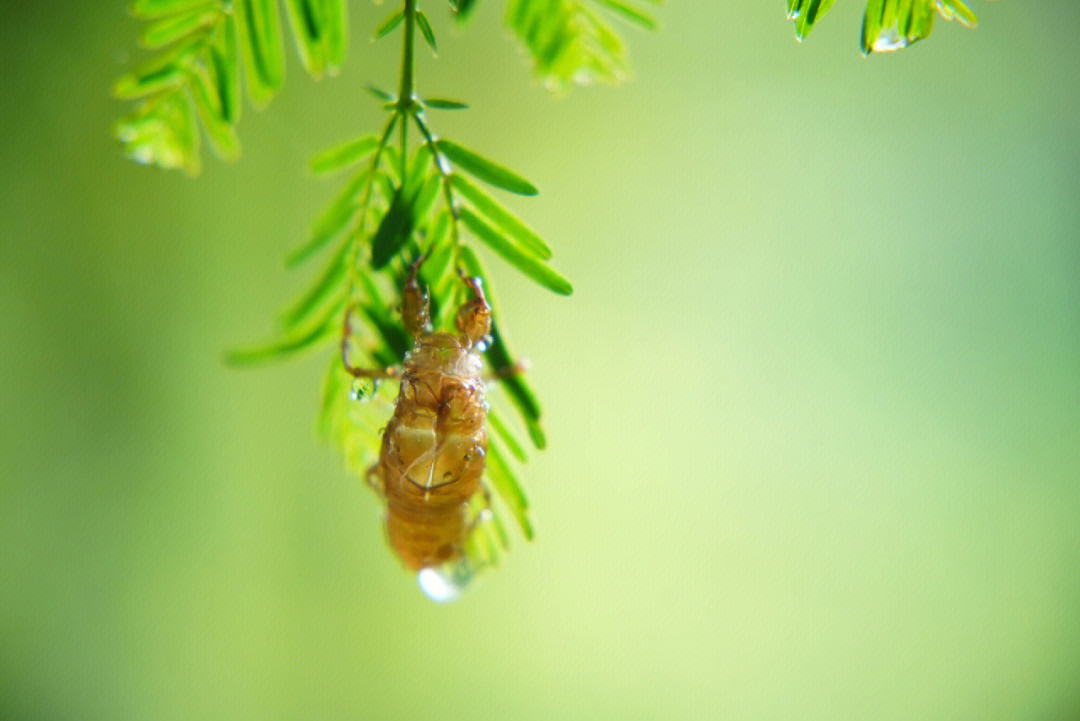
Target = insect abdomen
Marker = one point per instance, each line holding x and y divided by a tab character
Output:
431	462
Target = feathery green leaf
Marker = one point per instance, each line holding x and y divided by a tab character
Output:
957	10
332	278
508	488
345	155
425	30
208	104
806	13
225	62
335	33
160	8
132	86
261	48
518	390
443	104
507	437
484	169
330	223
324	328
304	20
396	227
380	93
500	217
529	264
176	27
387	26
629	13
463	8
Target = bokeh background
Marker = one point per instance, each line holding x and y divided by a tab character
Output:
813	410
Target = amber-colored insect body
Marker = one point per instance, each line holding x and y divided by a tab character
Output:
433	448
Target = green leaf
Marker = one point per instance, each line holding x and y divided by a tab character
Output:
331	279
508	488
290	344
175	27
261	48
163	132
388	25
380	93
524	261
806	13
438	261
335	33
207	99
227	69
463	8
567	41
425	198
485	169
132	86
425	30
521	395
345	155
440	252
629	13
443	104
304	21
330	223
396	227
890	25
397	340
159	8
507	437
959	11
499	216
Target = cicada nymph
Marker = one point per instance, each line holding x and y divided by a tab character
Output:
431	461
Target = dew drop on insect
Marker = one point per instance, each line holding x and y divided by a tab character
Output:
445	583
362	390
481	346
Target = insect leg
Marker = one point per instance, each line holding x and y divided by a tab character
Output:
415	307
373	373
474	317
515	369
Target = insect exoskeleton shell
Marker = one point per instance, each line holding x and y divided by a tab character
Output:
434	446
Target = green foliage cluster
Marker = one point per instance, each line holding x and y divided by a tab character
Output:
205	47
405	193
888	25
195	79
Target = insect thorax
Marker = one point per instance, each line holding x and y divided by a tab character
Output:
444	354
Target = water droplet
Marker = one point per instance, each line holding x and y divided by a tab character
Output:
888	40
481	346
445	583
362	390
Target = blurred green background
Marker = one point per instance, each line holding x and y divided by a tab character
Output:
813	410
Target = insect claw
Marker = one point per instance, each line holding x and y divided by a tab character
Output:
415	267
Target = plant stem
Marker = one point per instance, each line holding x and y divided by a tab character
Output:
405	93
448	193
